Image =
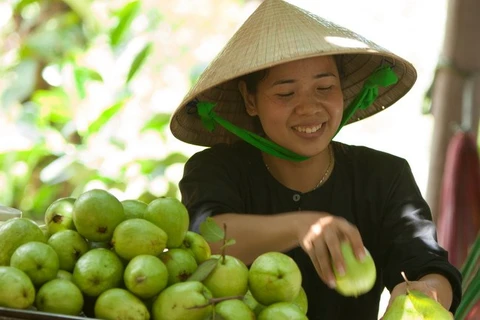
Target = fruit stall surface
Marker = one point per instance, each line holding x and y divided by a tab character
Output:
14	314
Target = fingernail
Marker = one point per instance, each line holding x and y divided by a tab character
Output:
341	271
362	256
332	284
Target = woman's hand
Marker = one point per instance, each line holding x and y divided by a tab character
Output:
435	286
320	235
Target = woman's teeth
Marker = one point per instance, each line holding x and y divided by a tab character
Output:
308	129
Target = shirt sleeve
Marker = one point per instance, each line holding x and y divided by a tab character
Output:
209	186
409	238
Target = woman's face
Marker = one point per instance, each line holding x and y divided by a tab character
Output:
299	104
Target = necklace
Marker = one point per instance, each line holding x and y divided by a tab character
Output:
325	175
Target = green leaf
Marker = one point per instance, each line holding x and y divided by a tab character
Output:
106	115
139	61
54	105
211	231
471	265
125	18
203	270
81	76
157	123
469	299
230	242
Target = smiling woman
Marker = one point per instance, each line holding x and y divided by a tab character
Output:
268	108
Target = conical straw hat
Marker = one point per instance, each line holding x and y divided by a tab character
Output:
275	33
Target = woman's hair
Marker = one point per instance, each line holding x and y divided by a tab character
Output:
253	79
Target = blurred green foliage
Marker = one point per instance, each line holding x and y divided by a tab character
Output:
53	35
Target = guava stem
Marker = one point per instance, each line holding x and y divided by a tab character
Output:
216	300
406	280
224	241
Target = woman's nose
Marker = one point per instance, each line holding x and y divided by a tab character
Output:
308	105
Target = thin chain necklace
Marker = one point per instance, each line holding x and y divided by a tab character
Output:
325	175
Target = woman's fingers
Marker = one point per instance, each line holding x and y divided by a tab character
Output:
353	236
324	262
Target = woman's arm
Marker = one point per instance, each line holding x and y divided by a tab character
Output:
257	234
319	234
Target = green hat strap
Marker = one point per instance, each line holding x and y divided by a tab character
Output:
383	77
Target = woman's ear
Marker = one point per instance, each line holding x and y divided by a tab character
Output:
248	98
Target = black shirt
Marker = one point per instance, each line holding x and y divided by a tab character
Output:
374	190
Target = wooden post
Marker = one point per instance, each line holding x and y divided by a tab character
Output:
461	52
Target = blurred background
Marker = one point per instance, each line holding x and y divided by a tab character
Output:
87	89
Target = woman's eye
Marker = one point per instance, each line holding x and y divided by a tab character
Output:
324	88
283	95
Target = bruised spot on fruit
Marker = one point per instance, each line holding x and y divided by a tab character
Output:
165	258
184	276
95	281
39	267
57	218
102	229
140	279
25	294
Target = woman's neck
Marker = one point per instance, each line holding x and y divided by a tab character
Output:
302	176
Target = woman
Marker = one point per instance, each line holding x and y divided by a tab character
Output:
269	106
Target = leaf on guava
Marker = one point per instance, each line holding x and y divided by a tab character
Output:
211	231
203	270
229	242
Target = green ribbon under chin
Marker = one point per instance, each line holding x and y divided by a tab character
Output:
382	77
210	118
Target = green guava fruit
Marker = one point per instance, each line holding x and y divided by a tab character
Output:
14	233
69	246
171	216
97	271
117	303
65	275
274	277
134	208
301	301
282	311
416	305
96	213
59	296
180	264
359	277
145	276
253	304
234	309
196	244
16	289
228	278
38	260
58	215
134	237
183	300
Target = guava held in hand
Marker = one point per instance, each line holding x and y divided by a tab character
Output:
170	215
416	305
96	214
359	277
